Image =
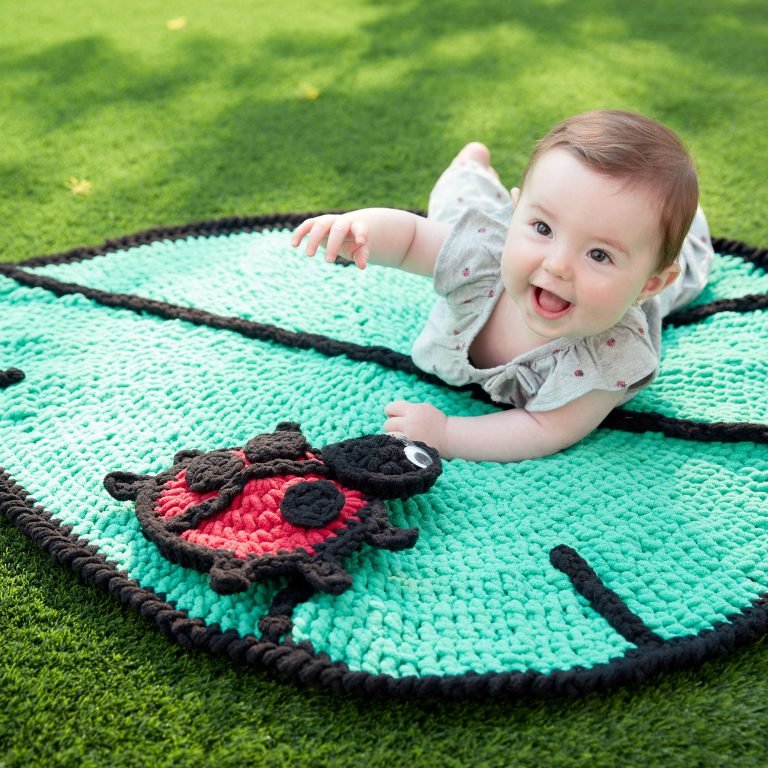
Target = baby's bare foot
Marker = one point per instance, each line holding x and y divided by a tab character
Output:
475	152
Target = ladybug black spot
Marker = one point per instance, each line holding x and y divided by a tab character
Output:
278	445
312	504
213	471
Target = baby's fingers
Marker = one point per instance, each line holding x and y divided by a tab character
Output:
315	230
348	238
300	231
396	408
395	426
337	236
318	233
359	250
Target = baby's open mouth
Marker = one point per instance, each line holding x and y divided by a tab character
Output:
548	304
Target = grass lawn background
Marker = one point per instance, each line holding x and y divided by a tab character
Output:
113	122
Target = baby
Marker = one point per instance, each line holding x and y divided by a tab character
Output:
550	297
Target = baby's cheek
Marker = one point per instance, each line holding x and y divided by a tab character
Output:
514	273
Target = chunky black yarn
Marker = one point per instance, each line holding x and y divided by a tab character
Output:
604	600
621	419
300	661
10	376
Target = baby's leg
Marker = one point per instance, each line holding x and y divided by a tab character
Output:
695	264
468	182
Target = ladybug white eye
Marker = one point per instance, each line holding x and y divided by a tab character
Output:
418	456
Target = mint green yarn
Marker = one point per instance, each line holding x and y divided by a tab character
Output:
712	371
732	277
676	528
108	389
262	277
480	579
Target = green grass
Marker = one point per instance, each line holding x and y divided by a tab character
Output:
213	120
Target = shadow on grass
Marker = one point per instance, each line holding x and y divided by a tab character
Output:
76	80
232	132
405	91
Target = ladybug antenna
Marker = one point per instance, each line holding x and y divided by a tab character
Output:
288	426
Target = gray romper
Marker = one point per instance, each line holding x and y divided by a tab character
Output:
467	280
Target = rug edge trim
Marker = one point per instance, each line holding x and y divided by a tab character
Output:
305	665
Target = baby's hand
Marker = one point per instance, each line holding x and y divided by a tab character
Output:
417	421
340	234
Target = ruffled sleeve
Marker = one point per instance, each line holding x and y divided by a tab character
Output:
468	262
468	283
625	358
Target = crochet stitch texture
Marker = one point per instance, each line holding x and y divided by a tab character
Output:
640	549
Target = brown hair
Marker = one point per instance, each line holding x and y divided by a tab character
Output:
630	146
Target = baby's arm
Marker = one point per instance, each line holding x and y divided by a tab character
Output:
381	235
504	436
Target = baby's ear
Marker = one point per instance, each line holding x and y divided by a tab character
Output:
658	282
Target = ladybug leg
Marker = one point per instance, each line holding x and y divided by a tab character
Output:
325	575
125	486
393	539
228	576
382	534
278	622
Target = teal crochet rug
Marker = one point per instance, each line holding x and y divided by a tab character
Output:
190	421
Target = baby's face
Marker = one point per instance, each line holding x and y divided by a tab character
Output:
581	249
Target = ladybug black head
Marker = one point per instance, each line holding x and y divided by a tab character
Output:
383	466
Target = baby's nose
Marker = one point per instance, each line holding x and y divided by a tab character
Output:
557	263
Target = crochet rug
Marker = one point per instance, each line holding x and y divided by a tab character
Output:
192	417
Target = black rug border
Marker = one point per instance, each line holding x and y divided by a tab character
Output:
289	220
301	661
623	419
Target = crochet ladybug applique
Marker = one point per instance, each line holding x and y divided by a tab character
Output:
278	507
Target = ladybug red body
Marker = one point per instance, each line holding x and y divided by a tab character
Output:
277	506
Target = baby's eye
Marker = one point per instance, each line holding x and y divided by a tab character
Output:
601	257
542	228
